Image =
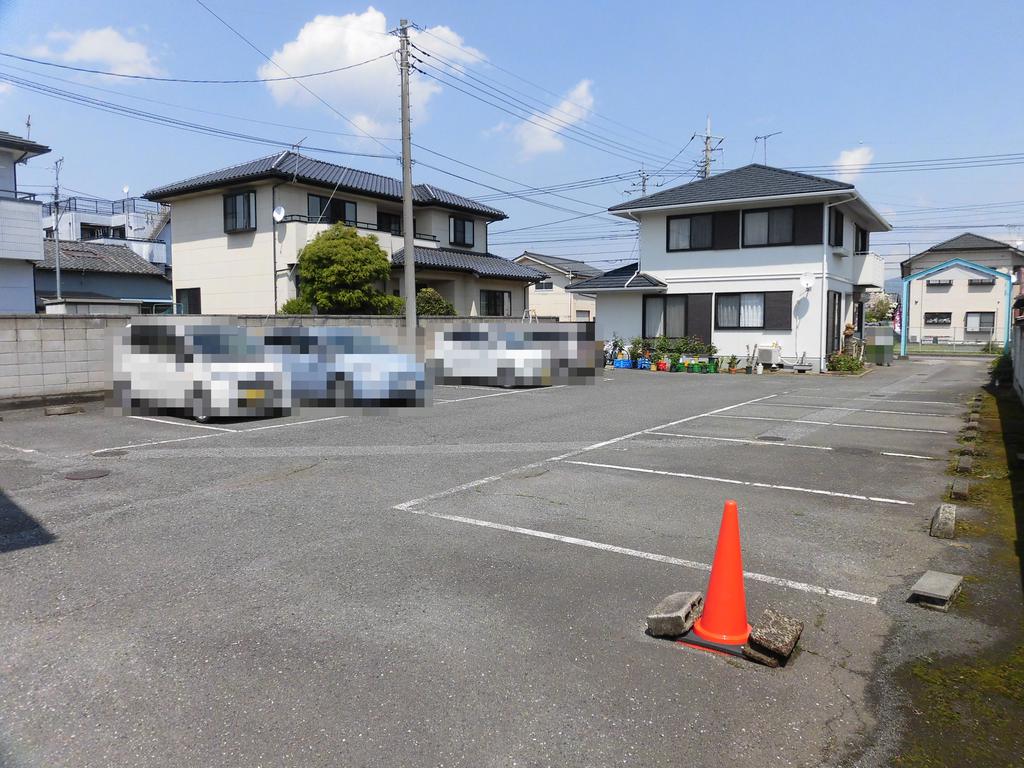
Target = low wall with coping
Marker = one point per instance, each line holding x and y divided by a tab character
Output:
53	357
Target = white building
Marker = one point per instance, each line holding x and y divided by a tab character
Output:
21	237
232	255
549	298
753	256
958	305
139	224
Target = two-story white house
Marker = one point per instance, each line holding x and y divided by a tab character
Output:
753	256
549	298
21	237
958	305
238	233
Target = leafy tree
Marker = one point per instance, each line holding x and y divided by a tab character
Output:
430	302
879	309
296	306
339	273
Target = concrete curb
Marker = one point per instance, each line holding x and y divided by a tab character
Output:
41	401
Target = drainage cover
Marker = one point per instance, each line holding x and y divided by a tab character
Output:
87	474
102	454
771	439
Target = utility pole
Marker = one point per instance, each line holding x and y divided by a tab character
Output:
709	149
28	127
56	221
407	221
643	177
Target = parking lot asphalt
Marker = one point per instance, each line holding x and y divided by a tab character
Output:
465	584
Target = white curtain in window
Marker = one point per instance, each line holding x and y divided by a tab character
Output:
751	310
729	311
973	321
675	316
678	234
755	228
654	320
782	226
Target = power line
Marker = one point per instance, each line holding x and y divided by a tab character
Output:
155	78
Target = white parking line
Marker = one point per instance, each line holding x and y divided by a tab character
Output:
291	423
16	448
159	442
816	491
859	410
831	424
874	400
183	424
408	505
764	443
697	566
908	455
500	394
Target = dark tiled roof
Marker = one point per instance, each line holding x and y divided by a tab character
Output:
10	141
577	268
306	170
618	278
96	257
752	180
969	241
483	264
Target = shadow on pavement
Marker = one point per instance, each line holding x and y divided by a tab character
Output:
18	529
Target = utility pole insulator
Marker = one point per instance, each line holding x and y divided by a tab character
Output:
409	271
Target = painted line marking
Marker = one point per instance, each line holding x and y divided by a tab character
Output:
766	444
16	448
753	576
183	424
291	423
860	410
816	491
468	386
832	424
908	455
501	394
159	442
876	400
406	506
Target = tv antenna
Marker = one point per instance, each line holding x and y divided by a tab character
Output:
765	145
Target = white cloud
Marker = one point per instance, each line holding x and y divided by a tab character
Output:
5	88
368	94
541	134
104	48
850	163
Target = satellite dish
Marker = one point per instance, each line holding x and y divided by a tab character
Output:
807	280
279	214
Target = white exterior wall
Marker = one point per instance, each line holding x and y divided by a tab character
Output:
619	312
959	298
8	173
557	302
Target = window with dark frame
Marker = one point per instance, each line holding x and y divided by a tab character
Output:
240	211
981	281
495	303
938	283
190	301
545	285
836	225
773	226
689	233
460	231
389	222
938	318
863	244
664	315
768	310
329	210
975	322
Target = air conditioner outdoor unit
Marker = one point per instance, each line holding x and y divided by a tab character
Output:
770	356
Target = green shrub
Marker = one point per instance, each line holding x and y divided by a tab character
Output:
296	306
841	361
635	348
431	303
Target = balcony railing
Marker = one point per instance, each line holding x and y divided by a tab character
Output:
368	225
868	269
13	194
106	207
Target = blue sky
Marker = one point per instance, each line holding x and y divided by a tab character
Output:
879	81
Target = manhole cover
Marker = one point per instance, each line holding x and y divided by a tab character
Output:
771	439
87	474
102	454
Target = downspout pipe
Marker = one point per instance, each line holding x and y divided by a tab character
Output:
273	221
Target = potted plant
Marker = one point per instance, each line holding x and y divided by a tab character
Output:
733	362
655	361
634	350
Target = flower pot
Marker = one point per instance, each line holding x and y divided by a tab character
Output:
732	370
749	369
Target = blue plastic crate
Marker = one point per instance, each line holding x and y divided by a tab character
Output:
643	364
623	363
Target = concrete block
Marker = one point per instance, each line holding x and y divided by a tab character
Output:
28	322
53	356
31	380
8	347
76	355
52	334
775	633
8	334
761	657
96	333
959	489
943	524
30	369
55	379
968	450
973	423
675	614
62	410
76	366
78	378
29	334
964	465
6	392
56	345
57	367
26	356
969	434
936	590
6	382
7	324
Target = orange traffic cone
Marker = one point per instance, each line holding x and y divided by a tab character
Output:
723	625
